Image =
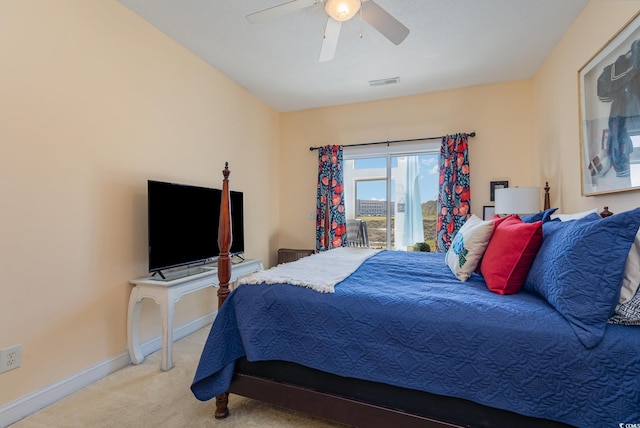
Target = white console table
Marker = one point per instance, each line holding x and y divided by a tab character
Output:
166	292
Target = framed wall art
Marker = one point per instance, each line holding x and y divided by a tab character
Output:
493	185
488	211
609	86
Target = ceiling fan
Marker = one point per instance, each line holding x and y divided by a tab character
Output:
339	11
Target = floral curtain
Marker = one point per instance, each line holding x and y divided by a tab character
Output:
331	222
454	197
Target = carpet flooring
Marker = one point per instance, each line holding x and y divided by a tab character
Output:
144	396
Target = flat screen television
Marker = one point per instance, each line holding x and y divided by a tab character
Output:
237	222
183	224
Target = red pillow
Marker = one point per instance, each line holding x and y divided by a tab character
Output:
496	219
510	253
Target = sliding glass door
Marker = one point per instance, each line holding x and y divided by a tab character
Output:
395	194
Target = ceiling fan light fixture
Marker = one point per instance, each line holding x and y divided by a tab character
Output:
342	10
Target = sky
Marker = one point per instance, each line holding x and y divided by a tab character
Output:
428	164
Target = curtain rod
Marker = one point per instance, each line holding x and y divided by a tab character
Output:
471	134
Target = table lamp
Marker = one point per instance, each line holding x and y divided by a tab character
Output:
517	200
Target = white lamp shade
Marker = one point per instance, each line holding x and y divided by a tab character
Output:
342	10
517	200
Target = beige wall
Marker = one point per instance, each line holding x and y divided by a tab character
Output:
93	102
555	107
500	114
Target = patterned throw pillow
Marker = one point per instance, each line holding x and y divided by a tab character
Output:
631	278
468	246
628	309
628	313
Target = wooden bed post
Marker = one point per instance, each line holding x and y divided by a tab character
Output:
224	269
547	203
224	239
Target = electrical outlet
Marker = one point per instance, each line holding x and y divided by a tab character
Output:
10	358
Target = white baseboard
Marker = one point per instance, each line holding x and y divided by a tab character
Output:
25	406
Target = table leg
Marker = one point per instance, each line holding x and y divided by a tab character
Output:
167	307
133	318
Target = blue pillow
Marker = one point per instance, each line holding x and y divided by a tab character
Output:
579	269
543	216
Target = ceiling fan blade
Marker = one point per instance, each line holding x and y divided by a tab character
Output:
382	21
330	40
279	10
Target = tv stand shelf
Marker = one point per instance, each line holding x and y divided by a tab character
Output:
166	292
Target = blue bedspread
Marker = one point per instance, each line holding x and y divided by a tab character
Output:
404	319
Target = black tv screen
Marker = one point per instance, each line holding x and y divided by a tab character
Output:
237	222
183	224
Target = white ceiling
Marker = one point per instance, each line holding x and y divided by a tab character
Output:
452	44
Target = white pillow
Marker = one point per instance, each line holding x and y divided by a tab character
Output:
631	278
575	216
468	247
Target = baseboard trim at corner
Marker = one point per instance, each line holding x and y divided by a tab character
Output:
29	404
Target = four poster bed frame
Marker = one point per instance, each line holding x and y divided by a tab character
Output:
346	400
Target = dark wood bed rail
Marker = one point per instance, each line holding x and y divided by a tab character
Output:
332	407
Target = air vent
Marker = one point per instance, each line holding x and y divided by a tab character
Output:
387	81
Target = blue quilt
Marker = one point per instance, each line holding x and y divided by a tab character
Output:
404	319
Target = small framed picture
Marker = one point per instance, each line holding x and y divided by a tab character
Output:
496	185
488	211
